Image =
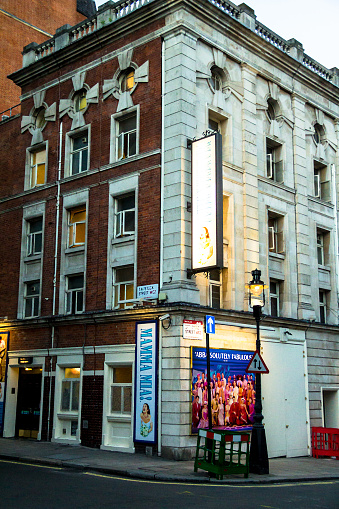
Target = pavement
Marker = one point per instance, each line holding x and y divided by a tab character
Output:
140	466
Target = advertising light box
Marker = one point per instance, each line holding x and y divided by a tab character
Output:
207	211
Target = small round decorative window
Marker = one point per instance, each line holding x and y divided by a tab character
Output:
39	118
80	101
215	79
270	110
127	80
318	133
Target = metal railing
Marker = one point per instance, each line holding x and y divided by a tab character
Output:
10	112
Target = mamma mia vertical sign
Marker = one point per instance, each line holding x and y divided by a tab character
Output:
146	376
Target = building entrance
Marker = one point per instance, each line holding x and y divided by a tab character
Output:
28	403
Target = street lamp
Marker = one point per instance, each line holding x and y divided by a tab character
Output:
258	462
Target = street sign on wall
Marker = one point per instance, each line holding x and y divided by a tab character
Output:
193	329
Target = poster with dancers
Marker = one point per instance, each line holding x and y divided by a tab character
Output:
232	389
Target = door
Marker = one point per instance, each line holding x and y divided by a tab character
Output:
28	403
284	399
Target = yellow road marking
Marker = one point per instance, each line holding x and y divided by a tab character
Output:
30	464
213	485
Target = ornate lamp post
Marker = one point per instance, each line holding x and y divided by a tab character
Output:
258	453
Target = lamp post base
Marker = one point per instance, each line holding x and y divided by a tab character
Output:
258	461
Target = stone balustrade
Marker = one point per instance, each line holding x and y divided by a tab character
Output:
110	12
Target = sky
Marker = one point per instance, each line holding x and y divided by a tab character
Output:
314	23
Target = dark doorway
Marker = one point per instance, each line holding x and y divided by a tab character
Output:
28	405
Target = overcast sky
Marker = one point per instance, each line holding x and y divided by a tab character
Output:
314	23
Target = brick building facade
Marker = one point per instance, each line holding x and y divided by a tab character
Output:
95	204
35	21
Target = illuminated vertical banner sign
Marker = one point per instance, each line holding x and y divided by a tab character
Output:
207	212
146	376
3	365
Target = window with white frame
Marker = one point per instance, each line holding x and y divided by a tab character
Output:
121	390
77	226
70	386
126	140
74	294
38	168
32	299
79	153
123	287
274	161
215	288
323	306
34	236
320	248
124	223
274	297
276	233
322	182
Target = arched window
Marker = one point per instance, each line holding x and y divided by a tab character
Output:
271	110
215	80
318	133
126	80
80	101
39	118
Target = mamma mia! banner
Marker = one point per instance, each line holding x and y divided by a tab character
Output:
3	364
146	387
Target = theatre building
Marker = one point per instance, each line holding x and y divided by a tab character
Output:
163	152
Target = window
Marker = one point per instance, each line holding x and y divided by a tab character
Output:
275	297
275	233
123	287
32	298
124	215
215	288
322	306
271	109
215	79
38	168
322	183
213	125
70	386
75	294
79	153
34	236
121	390
318	134
320	249
127	136
80	101
77	226
126	80
274	162
39	118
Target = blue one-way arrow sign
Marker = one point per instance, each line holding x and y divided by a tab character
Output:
210	324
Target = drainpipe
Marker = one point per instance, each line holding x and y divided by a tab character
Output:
161	236
57	219
336	248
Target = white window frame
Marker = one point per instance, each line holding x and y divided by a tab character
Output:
73	293
126	303
120	217
322	184
73	225
122	386
276	296
115	119
274	168
32	236
276	235
213	283
320	248
29	166
70	136
33	298
323	305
